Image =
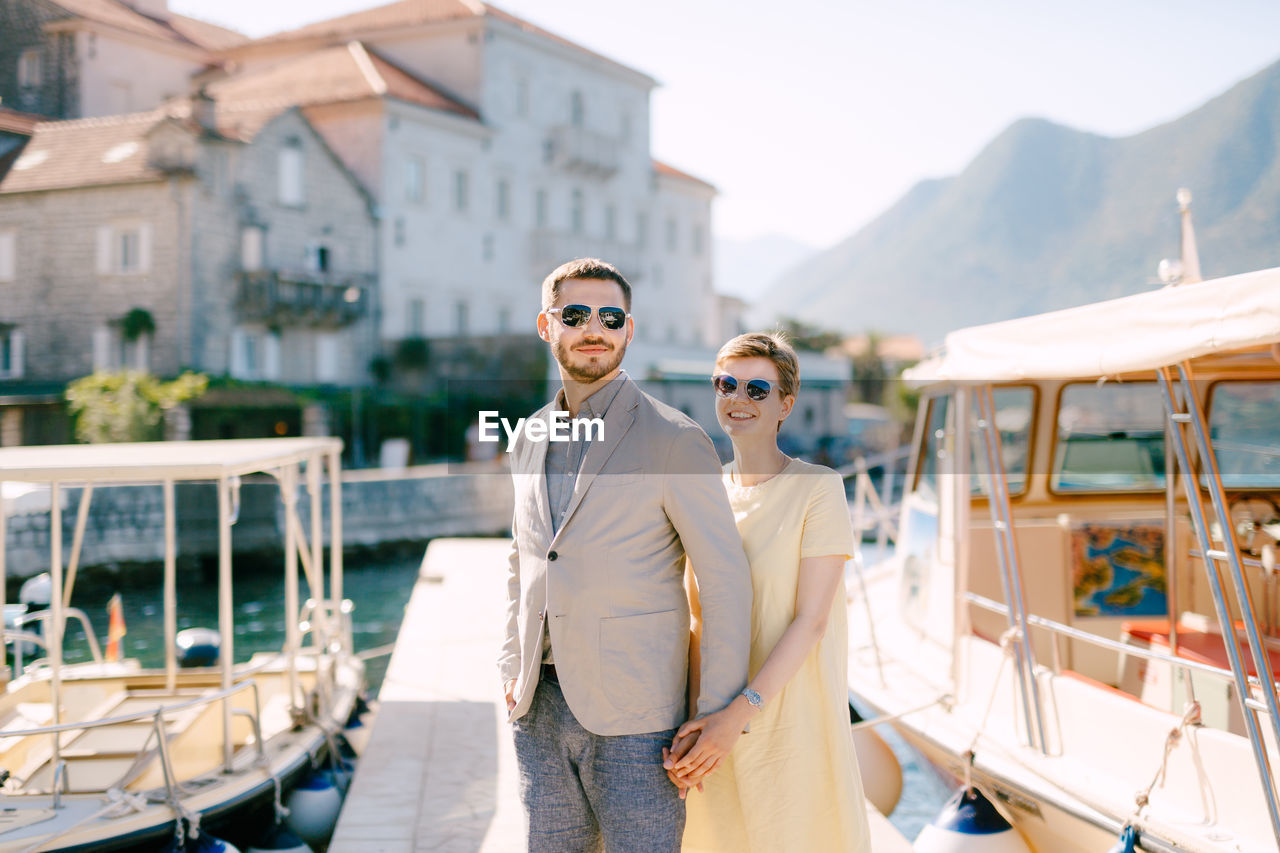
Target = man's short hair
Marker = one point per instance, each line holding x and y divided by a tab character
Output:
583	269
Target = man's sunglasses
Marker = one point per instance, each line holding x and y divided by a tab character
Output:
727	386
576	316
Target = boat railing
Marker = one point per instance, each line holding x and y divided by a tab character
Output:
1058	629
874	508
337	614
157	716
39	639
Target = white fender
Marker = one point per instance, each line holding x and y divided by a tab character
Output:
969	823
313	808
280	840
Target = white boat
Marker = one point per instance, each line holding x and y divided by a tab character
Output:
108	756
1063	624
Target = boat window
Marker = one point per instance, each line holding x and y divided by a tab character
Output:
1110	438
1244	422
934	430
1014	407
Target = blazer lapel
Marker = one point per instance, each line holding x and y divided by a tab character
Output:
617	421
537	468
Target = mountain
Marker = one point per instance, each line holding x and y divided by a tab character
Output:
747	267
1048	217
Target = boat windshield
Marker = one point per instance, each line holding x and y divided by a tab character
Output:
1014	407
1244	421
1110	438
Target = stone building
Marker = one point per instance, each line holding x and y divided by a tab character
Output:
248	249
495	149
83	58
479	150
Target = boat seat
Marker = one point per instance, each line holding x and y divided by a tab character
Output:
1164	686
99	757
1203	644
26	715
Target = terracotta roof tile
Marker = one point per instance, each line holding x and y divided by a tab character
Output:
207	35
330	75
405	86
85	152
178	28
529	27
12	121
405	13
410	13
669	171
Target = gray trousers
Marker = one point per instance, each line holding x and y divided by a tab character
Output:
582	790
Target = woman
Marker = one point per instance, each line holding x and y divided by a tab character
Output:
792	782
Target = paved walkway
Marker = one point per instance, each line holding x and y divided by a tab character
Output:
439	771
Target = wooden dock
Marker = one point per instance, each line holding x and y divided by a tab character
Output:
439	771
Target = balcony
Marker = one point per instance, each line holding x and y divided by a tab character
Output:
296	298
548	249
581	151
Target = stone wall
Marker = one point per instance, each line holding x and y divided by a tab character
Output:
126	523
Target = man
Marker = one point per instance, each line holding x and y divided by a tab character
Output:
595	663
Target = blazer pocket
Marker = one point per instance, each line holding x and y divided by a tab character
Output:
611	479
644	659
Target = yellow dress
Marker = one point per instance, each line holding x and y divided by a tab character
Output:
791	783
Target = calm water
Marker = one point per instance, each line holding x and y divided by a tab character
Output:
380	592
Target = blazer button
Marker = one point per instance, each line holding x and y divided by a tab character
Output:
551	555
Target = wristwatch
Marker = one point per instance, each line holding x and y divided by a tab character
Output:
754	699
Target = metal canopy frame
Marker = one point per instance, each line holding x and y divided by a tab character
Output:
168	463
1188	429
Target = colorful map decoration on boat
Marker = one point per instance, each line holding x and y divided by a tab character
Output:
1118	568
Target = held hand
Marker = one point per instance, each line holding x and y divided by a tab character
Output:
682	784
511	699
680	747
719	732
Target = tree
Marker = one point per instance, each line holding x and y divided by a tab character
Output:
808	338
136	323
127	405
869	372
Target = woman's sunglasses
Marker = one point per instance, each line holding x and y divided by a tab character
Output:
576	316
727	386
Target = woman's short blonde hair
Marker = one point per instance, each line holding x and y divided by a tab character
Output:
770	345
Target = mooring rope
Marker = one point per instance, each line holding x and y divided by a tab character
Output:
117	800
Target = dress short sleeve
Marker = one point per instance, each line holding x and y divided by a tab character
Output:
827	526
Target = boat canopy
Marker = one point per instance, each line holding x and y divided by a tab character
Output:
1132	334
153	461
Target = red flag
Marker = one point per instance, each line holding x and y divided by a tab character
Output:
115	627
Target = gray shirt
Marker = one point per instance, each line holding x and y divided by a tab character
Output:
564	460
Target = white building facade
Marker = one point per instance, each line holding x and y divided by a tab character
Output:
538	153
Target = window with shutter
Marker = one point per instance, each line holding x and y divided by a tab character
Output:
30	69
6	351
290	168
326	357
104	349
251	248
16	355
415	180
271	356
8	259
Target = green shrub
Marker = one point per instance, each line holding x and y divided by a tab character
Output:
127	405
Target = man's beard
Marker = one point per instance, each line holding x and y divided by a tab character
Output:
606	362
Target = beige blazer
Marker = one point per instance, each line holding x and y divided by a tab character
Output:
609	583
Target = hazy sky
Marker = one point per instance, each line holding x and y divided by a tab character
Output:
813	116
